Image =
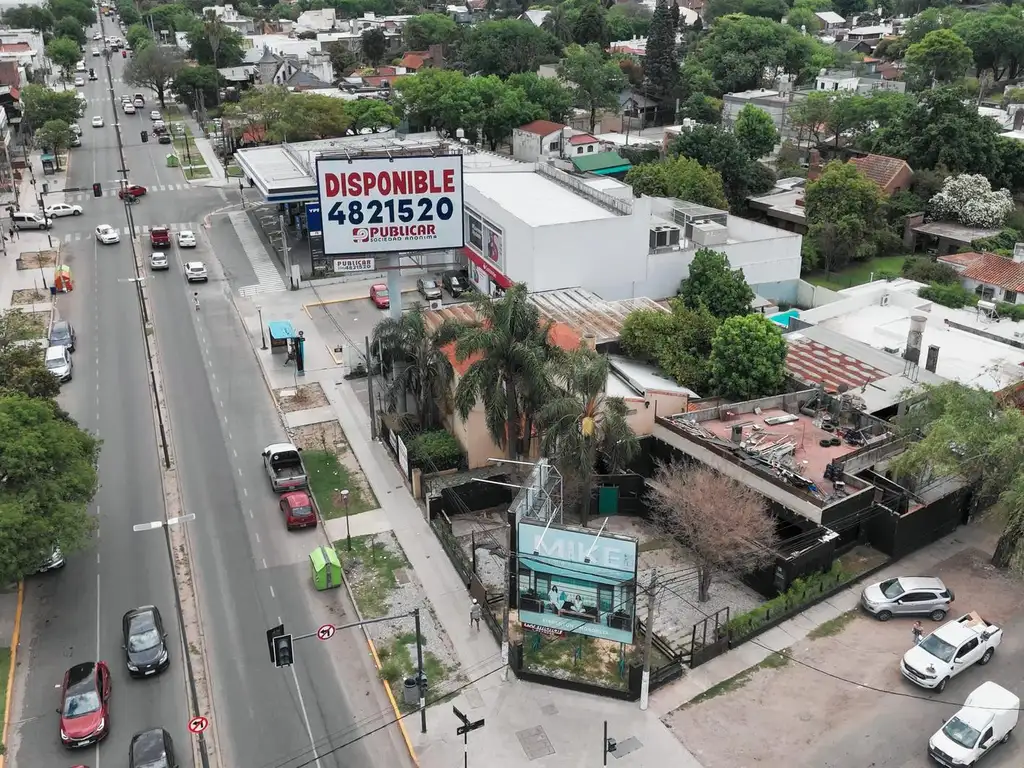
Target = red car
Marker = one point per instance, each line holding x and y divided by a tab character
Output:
135	190
297	509
84	698
379	296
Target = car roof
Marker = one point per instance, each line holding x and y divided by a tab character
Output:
148	745
55	352
104	226
296	498
60	325
194	264
921	582
144	616
80	673
158	228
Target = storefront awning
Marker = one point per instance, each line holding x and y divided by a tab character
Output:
488	268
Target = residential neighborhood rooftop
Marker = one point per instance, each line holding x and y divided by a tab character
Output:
588	313
988	268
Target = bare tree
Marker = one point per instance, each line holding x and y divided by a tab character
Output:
724	523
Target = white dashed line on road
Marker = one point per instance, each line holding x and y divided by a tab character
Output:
257	537
271	589
234	452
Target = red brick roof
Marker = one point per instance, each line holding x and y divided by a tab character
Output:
412	61
542	127
880	168
815	363
583	138
988	268
14	48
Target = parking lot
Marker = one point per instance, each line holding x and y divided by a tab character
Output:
837	699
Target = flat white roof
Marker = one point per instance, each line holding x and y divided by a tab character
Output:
535	200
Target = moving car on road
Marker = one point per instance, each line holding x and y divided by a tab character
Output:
106	234
152	749
988	718
379	296
135	190
164	138
158	260
79	82
428	289
160	237
62	209
58	362
128	107
907	596
283	463
95	51
949	650
145	647
155	115
186	239
84	698
97	122
195	272
297	509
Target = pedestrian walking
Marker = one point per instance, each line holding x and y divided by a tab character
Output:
11	232
474	614
918	631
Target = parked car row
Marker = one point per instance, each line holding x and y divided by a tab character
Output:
455	282
287	473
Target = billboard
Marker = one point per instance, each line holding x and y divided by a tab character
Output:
574	581
385	204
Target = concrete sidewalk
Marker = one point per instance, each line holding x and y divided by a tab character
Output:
218	177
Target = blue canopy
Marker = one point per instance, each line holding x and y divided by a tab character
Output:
281	329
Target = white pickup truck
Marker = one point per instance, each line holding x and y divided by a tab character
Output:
949	650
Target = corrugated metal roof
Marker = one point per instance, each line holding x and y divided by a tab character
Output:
586	312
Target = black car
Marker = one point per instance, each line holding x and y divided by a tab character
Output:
63	334
454	284
145	646
152	749
164	138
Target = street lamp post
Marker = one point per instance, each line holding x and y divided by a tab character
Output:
348	526
263	335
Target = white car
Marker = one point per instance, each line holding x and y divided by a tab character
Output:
155	115
949	650
95	51
139	103
129	109
186	239
97	36
106	234
80	66
63	209
195	272
97	122
76	129
79	82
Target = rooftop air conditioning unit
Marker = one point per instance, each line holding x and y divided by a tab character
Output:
436	304
707	233
884	301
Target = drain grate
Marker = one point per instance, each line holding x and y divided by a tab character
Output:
402	576
549	710
535	742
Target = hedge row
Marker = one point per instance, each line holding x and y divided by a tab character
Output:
435	451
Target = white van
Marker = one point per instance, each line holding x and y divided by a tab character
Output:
988	718
29	220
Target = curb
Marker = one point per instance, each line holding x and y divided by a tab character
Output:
399	717
15	637
328	302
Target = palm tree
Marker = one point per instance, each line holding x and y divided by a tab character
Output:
580	423
510	350
422	367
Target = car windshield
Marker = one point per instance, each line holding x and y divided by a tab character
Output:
428	284
382	293
144	640
81	704
54	362
938	647
961	733
59	334
303	511
892	588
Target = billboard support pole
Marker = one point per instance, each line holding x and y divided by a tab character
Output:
645	684
285	255
369	388
505	603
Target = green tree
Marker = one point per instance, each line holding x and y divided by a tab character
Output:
261	111
803	17
559	23
996	40
941	57
191	83
766	9
163	16
844	210
228	52
546	92
82	10
930	20
43	105
596	80
374	45
310	116
441	100
510	352
590	26
21	366
371	113
138	36
714	148
343	61
155	67
507	47
580	424
678	341
756	132
71	28
54	136
661	63
628	20
65	53
748	358
713	285
501	109
24	16
49	470
215	31
681	178
429	29
422	367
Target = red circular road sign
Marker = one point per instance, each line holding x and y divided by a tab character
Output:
326	632
198	724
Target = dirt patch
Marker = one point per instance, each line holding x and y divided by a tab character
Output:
24	296
329	437
301	398
36	259
819	704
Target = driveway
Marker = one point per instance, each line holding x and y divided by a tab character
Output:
837	699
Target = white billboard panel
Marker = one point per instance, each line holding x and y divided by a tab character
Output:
382	205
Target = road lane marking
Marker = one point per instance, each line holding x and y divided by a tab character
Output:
250	514
257	538
234	452
245	492
97	558
305	717
239	471
214	375
229	436
98	624
272	592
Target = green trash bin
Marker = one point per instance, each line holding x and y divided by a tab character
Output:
172	161
325	568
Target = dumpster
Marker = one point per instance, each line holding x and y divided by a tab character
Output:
325	568
172	161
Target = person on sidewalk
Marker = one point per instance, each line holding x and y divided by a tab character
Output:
918	631
475	614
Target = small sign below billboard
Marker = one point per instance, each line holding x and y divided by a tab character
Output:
355	265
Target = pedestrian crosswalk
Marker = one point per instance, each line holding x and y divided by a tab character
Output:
266	271
143	231
81	197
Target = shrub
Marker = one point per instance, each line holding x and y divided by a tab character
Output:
800	593
435	451
925	270
1013	311
952	296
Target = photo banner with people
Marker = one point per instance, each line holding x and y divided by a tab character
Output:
575	581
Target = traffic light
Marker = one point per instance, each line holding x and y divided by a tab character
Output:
272	634
97	190
283	650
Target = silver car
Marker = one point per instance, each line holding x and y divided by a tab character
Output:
908	596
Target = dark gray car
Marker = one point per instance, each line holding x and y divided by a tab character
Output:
152	749
145	647
428	289
62	334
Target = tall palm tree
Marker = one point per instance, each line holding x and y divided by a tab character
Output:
421	366
580	423
510	350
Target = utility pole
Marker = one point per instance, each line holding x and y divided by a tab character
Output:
505	602
285	256
369	388
421	683
645	685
